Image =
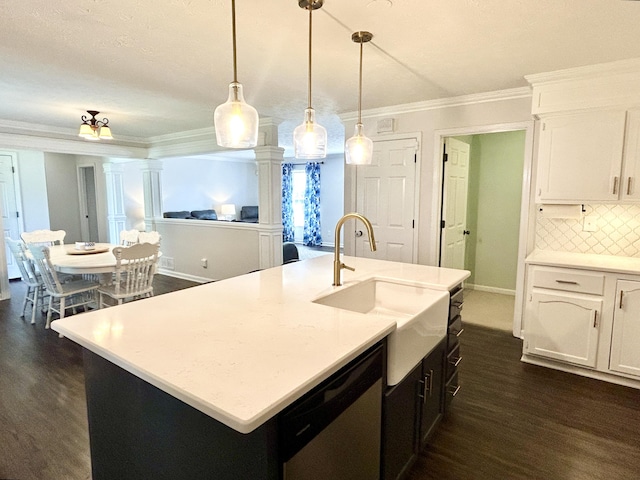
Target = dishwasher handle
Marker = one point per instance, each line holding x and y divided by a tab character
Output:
303	420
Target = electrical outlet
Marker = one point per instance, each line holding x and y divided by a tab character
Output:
204	263
590	223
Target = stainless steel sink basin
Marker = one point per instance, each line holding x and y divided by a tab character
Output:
420	313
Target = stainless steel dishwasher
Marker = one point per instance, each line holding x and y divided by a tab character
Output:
333	432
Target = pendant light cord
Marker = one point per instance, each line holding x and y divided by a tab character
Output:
233	30
310	36
360	88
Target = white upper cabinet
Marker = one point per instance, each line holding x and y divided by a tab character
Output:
629	185
580	157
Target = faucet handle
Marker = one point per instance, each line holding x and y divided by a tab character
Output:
342	265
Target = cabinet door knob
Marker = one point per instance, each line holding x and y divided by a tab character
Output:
466	232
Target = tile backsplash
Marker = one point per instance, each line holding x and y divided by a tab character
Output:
617	232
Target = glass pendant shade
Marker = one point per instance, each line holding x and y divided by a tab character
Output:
105	133
236	121
86	131
309	138
359	148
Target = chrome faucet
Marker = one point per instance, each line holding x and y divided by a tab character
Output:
337	264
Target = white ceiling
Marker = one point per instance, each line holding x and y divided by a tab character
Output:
161	67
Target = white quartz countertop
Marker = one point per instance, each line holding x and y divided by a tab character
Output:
242	349
604	263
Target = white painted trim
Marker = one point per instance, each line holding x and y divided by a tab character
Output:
526	235
184	276
484	288
73	147
476	98
585	372
587	72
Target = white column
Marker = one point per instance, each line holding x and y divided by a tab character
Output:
269	161
116	216
152	190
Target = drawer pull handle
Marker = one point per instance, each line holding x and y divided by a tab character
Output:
455	362
567	282
615	185
459	332
621	295
453	390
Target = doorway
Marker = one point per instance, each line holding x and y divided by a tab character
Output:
10	213
88	204
496	222
386	195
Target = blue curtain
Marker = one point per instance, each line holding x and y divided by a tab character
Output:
312	227
287	204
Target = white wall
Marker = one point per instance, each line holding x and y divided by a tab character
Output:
426	124
33	190
200	184
62	193
331	197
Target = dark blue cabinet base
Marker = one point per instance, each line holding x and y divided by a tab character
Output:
137	431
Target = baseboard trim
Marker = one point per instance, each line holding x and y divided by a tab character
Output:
484	288
184	276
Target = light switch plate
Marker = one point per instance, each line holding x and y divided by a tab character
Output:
590	223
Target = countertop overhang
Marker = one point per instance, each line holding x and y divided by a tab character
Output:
588	261
242	349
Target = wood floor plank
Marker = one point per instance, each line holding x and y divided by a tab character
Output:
510	420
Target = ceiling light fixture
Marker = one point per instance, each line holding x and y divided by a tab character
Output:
93	129
359	148
235	120
310	138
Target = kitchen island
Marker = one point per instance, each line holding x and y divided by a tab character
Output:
221	360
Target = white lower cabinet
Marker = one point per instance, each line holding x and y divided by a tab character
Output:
625	339
564	326
583	321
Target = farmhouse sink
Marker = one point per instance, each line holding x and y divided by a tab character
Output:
420	313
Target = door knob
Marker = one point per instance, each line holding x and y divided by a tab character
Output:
466	232
358	233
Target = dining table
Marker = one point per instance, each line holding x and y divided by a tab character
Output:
75	260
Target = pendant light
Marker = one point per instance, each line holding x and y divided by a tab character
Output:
359	148
309	138
235	120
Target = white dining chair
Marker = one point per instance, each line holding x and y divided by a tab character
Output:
149	237
134	271
44	237
71	294
30	277
129	237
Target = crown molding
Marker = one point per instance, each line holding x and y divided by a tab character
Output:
599	70
73	147
476	98
48	131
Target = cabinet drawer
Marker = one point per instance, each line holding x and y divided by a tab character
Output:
451	390
453	360
455	330
455	304
568	280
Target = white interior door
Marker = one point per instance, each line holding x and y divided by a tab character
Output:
385	194
454	204
88	206
10	219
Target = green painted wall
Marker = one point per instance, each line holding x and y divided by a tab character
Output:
493	208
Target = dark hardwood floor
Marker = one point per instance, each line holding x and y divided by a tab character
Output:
517	421
510	421
43	415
